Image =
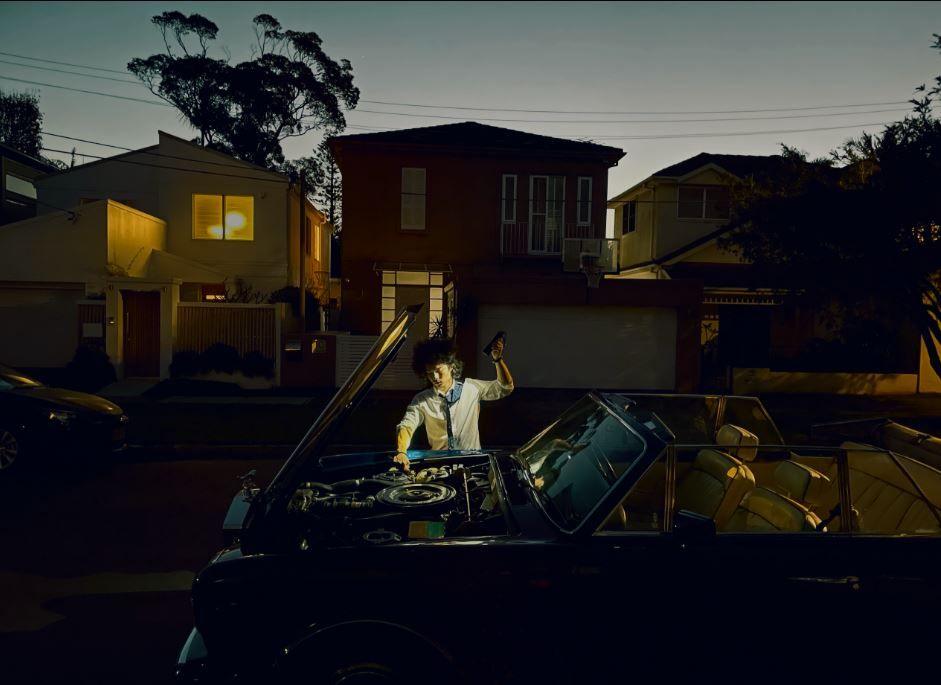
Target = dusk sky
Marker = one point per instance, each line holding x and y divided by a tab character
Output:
680	58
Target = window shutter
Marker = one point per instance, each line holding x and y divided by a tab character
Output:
584	200
509	198
207	217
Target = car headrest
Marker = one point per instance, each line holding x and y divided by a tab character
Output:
799	482
738	442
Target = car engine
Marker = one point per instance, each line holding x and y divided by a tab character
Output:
450	499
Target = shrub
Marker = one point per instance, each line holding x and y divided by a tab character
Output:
90	369
220	357
185	363
256	364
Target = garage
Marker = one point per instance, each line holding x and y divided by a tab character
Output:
604	347
40	325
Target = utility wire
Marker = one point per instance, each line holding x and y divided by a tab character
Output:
530	111
74	73
540	121
90	92
628	121
65	64
574	111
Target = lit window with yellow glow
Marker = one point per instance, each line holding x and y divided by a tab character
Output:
223	217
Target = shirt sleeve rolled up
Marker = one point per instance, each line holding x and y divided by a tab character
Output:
490	390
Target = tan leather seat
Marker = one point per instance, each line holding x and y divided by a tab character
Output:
737	441
714	485
764	510
801	483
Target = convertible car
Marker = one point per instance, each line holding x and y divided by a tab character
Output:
608	547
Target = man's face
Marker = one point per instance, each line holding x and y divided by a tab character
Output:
440	376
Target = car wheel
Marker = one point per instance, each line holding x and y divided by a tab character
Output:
11	448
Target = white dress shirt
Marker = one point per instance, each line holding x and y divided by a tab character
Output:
428	407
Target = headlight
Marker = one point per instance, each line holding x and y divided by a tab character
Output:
62	416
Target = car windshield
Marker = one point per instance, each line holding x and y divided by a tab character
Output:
575	461
11	378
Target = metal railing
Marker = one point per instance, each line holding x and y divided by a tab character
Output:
541	239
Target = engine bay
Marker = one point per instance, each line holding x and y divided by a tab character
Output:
438	498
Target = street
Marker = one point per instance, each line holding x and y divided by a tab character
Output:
97	566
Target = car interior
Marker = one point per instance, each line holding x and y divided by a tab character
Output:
743	489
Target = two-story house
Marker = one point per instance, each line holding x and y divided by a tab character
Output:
18	172
669	226
143	232
492	229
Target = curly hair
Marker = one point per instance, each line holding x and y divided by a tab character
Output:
436	351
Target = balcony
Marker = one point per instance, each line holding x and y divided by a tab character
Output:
541	239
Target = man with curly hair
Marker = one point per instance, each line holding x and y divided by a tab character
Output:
450	408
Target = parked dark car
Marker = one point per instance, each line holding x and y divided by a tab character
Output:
603	550
40	421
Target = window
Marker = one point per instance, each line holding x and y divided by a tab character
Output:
309	237
584	201
509	198
629	217
432	283
703	202
413	199
644	507
20	186
223	217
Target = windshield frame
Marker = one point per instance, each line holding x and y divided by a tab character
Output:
652	448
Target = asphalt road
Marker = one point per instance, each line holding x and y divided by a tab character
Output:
96	566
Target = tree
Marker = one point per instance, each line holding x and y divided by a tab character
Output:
21	122
289	88
859	231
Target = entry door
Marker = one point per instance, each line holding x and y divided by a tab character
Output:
141	333
407	295
546	195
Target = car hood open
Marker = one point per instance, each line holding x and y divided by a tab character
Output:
344	402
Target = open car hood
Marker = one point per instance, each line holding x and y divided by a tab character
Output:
343	404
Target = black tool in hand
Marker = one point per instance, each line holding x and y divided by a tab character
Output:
501	335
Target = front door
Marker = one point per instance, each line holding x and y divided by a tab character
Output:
141	333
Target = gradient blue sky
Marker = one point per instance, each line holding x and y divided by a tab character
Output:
568	56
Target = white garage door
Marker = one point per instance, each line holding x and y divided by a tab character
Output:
630	348
38	327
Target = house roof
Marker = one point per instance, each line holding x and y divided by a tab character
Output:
470	134
28	160
739	165
170	161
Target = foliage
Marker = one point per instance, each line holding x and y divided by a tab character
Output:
860	230
289	87
21	122
90	369
290	295
220	358
242	292
322	178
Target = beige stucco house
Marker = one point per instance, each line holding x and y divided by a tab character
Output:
141	233
669	226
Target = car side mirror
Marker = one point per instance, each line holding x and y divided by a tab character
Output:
690	525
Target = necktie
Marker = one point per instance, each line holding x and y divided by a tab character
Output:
447	418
